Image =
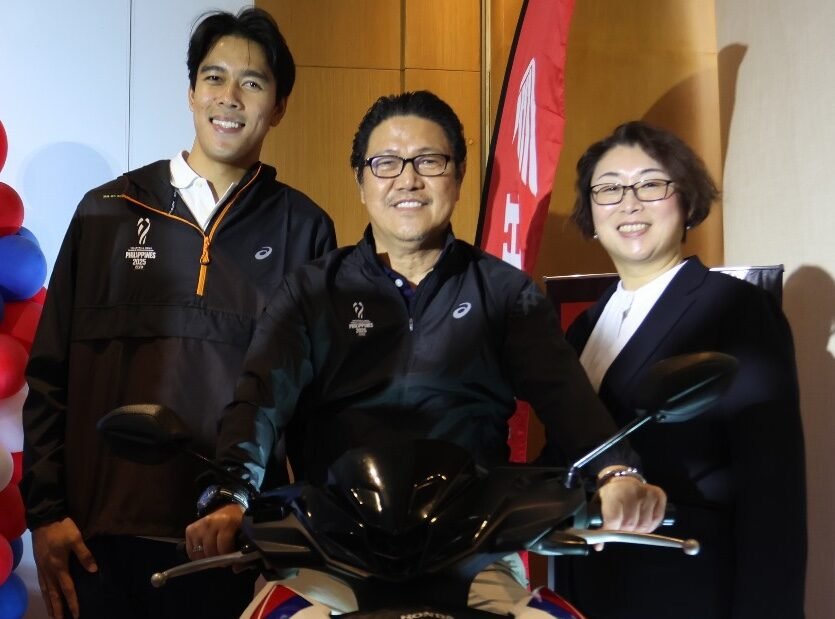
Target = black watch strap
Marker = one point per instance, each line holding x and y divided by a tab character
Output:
217	496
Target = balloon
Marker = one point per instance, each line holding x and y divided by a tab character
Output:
11	210
6	559
4	145
22	268
13	598
26	233
12	515
40	296
17	551
11	421
13	359
20	320
6	468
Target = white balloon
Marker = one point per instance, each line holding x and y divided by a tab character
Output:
11	423
6	467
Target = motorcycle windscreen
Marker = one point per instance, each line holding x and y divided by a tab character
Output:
397	509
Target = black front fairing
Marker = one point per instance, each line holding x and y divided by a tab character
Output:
400	521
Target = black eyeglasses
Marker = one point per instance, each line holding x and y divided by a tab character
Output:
392	166
610	194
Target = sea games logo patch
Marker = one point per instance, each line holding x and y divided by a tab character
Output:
140	254
360	325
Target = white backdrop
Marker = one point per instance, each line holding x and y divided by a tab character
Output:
778	207
91	88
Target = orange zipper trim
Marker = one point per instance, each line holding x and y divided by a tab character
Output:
205	257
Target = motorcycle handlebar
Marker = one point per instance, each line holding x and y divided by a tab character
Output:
594	515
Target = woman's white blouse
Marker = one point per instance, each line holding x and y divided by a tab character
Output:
621	317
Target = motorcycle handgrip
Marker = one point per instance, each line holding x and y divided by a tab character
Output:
595	516
241	544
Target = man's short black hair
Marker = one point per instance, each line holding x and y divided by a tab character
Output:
253	24
423	104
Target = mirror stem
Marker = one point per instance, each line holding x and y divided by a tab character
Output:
622	434
223	476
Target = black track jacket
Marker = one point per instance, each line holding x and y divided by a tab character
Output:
339	353
143	306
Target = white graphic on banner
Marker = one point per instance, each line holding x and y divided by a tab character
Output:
512	253
524	131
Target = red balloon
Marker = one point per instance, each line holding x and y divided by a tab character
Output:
13	359
20	320
4	146
6	559
40	296
11	210
12	517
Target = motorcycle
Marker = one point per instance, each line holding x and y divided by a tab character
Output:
408	527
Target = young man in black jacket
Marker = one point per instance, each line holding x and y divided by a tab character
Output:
154	298
410	334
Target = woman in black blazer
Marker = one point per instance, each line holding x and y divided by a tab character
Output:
736	474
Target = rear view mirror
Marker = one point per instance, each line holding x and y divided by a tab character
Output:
675	389
682	387
144	433
154	434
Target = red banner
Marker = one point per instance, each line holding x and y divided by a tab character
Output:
524	152
528	136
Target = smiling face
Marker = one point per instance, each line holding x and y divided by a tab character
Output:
410	211
234	105
642	238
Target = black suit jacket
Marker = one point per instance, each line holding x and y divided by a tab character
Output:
735	474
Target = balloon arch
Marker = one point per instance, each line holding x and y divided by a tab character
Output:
22	275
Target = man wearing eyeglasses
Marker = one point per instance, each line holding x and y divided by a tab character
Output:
411	333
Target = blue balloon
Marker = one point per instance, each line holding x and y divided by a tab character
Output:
13	598
26	233
22	268
17	551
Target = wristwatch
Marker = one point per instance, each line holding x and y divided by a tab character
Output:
217	496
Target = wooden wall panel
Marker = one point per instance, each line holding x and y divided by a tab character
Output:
443	34
462	90
504	14
311	146
340	33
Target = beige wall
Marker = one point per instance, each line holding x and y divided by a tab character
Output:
779	207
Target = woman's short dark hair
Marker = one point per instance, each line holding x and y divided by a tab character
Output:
253	24
694	186
423	104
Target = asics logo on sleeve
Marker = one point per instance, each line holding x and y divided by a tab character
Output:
264	252
462	310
